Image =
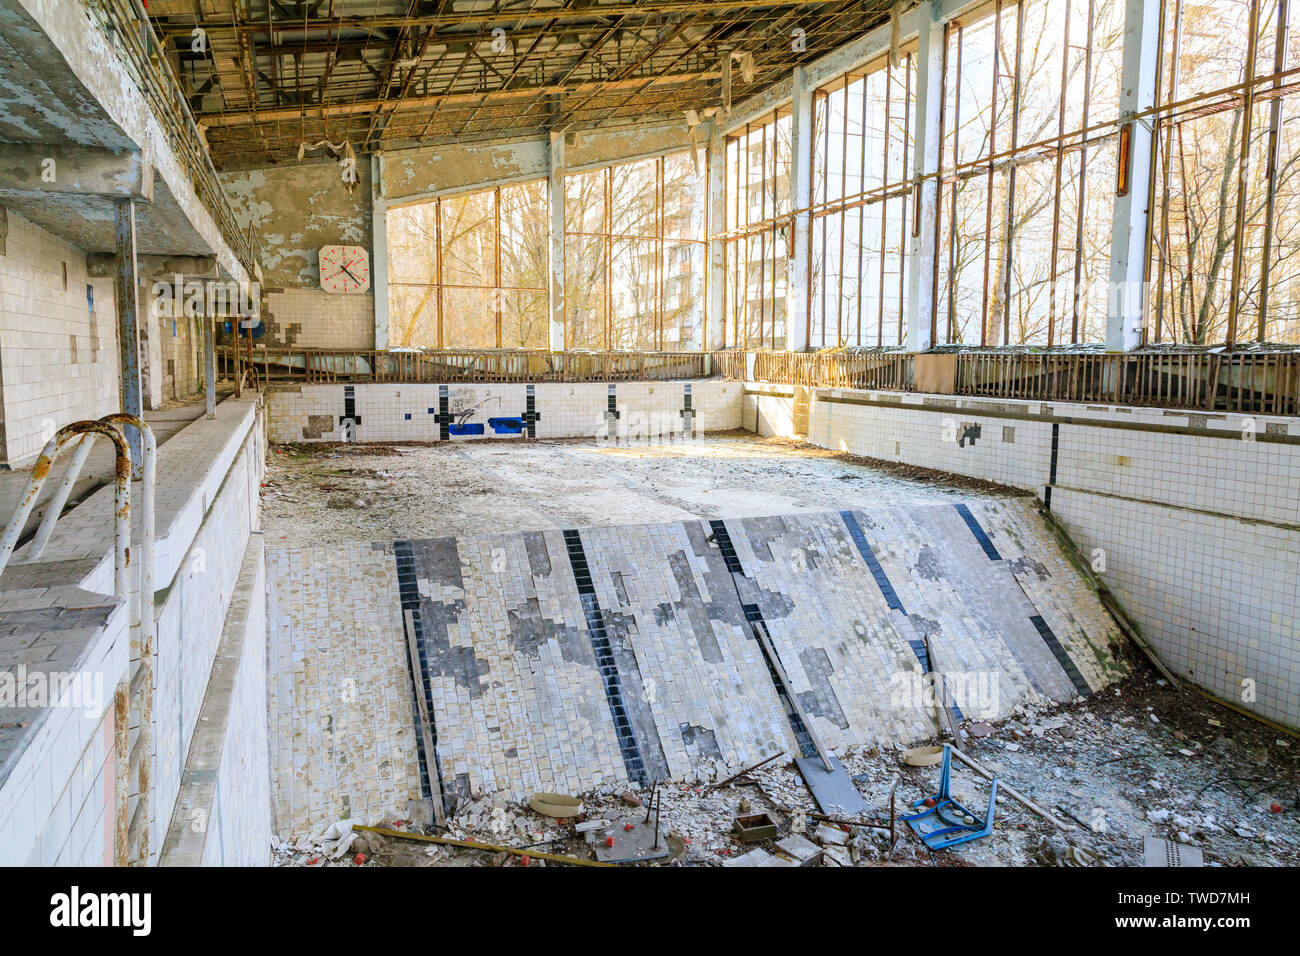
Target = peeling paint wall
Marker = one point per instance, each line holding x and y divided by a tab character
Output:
415	173
295	210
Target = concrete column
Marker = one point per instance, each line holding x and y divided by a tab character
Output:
715	315
1126	298
209	366
555	192
379	258
801	133
126	289
929	109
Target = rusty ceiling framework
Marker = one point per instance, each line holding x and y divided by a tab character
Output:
263	77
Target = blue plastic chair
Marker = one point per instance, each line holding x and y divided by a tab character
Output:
944	824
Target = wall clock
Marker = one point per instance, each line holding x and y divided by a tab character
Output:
344	269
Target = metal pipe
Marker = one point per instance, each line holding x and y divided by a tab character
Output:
209	367
148	635
54	507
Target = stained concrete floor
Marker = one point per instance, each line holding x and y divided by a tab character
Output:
324	494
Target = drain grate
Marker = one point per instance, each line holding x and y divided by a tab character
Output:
1157	851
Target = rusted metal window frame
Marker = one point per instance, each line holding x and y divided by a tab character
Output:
661	243
896	187
496	290
742	229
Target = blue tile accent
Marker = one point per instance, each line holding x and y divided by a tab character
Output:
408	416
976	530
507	426
470	428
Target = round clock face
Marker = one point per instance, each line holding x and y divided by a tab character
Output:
344	269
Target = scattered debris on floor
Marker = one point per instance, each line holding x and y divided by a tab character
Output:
1220	787
377	492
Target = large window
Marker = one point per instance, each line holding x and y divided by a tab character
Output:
758	234
1225	263
634	256
861	232
469	270
1028	163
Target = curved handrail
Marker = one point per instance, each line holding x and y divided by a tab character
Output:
76	433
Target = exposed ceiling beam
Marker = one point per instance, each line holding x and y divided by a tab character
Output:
644	8
213	120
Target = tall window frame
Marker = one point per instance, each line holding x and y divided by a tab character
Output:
861	216
758	233
438	246
642	262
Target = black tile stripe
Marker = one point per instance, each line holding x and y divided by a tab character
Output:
1062	657
408	588
877	572
613	685
976	530
443	418
754	615
349	406
887	589
1056	442
612	402
531	417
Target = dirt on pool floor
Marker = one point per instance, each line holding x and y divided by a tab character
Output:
1137	759
327	494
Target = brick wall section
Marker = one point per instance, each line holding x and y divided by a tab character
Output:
58	358
181	341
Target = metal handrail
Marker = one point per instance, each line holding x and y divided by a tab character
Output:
132	836
141	685
64	438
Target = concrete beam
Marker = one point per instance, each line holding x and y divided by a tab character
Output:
555	192
379	256
1127	299
929	109
103	265
801	132
88	171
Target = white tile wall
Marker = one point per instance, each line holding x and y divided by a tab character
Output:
1199	530
56	804
311	318
57	362
567	410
